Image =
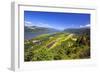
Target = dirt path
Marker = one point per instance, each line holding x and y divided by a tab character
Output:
58	41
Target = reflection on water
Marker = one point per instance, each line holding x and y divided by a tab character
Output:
30	35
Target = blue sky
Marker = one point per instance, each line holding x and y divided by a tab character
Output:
56	20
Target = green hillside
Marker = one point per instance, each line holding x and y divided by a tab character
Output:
58	46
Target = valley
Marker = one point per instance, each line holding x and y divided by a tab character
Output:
57	46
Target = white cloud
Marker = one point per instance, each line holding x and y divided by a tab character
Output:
44	25
39	24
28	23
83	26
88	25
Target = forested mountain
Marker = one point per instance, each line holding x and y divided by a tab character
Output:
78	30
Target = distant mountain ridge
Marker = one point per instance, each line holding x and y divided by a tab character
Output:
33	31
78	30
36	29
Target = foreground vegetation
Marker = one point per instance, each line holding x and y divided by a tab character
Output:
58	46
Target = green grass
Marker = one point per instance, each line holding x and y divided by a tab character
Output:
58	46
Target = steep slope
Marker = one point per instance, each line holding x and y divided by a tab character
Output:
58	46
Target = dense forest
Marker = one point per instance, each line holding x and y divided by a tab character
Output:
58	46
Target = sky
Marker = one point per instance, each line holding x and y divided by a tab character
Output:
56	20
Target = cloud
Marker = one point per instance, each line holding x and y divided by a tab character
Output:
44	25
83	26
39	24
28	23
88	25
